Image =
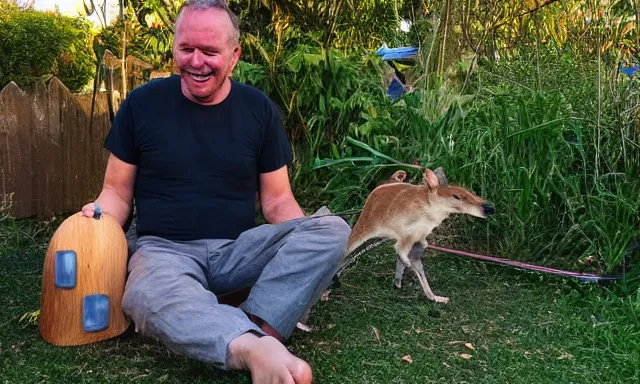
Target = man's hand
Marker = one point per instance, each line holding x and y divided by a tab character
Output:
116	197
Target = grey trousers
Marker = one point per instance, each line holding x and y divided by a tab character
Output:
171	289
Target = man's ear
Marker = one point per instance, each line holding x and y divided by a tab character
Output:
237	52
430	179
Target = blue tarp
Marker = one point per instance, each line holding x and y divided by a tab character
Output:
397	53
630	71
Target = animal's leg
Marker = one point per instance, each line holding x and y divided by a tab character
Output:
402	263
400	266
418	268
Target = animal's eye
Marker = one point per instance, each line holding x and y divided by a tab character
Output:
456	197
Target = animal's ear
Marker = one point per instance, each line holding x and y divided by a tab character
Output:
399	176
430	179
442	178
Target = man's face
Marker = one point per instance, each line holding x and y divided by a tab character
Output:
205	54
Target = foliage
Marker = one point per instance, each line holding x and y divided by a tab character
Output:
344	25
564	193
149	31
39	45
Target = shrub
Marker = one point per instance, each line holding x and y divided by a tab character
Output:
39	45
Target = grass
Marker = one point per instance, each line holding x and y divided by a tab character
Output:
501	326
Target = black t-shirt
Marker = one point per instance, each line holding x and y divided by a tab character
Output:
198	166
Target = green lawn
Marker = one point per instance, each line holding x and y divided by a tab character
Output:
500	326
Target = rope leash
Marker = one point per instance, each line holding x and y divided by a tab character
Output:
582	277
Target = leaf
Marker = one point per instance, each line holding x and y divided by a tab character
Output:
470	346
375	153
328	163
325	295
376	333
565	355
304	327
465	356
408	359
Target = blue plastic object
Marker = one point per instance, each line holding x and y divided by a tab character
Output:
65	269
97	213
397	53
95	313
395	90
630	71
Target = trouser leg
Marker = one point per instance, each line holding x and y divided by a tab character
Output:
288	265
168	298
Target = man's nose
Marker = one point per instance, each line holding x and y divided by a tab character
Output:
196	59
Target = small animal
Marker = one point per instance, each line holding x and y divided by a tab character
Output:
408	213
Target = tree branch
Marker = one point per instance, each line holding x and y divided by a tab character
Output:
539	7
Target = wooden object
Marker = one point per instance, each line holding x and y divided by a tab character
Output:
85	271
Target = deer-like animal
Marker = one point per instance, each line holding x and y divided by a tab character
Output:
408	213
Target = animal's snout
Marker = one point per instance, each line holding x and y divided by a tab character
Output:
488	209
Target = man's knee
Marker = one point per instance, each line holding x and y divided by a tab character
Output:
336	227
335	234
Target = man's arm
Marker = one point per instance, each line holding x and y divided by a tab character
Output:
116	197
276	198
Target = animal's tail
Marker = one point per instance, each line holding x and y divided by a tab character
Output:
359	235
350	259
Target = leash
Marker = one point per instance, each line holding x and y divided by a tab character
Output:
582	277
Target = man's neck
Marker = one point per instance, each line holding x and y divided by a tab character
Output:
218	97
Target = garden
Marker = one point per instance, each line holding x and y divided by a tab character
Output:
532	105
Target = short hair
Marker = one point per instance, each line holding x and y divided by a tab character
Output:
214	4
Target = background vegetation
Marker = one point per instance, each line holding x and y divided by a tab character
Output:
521	101
35	46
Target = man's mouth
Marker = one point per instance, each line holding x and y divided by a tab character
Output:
201	77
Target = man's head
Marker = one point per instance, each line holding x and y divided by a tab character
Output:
206	49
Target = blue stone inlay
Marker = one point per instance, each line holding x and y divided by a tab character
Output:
65	269
95	313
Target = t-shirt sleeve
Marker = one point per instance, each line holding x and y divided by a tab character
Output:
275	151
121	139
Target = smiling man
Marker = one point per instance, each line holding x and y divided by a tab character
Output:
192	150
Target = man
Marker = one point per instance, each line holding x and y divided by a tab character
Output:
192	150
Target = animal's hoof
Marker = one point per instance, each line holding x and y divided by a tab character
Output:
397	285
440	299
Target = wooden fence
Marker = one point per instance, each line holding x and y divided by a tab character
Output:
50	161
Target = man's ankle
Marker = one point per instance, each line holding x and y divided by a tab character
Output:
238	349
266	328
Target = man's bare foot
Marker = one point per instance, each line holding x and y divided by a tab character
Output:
268	360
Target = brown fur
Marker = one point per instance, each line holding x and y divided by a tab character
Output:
408	213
